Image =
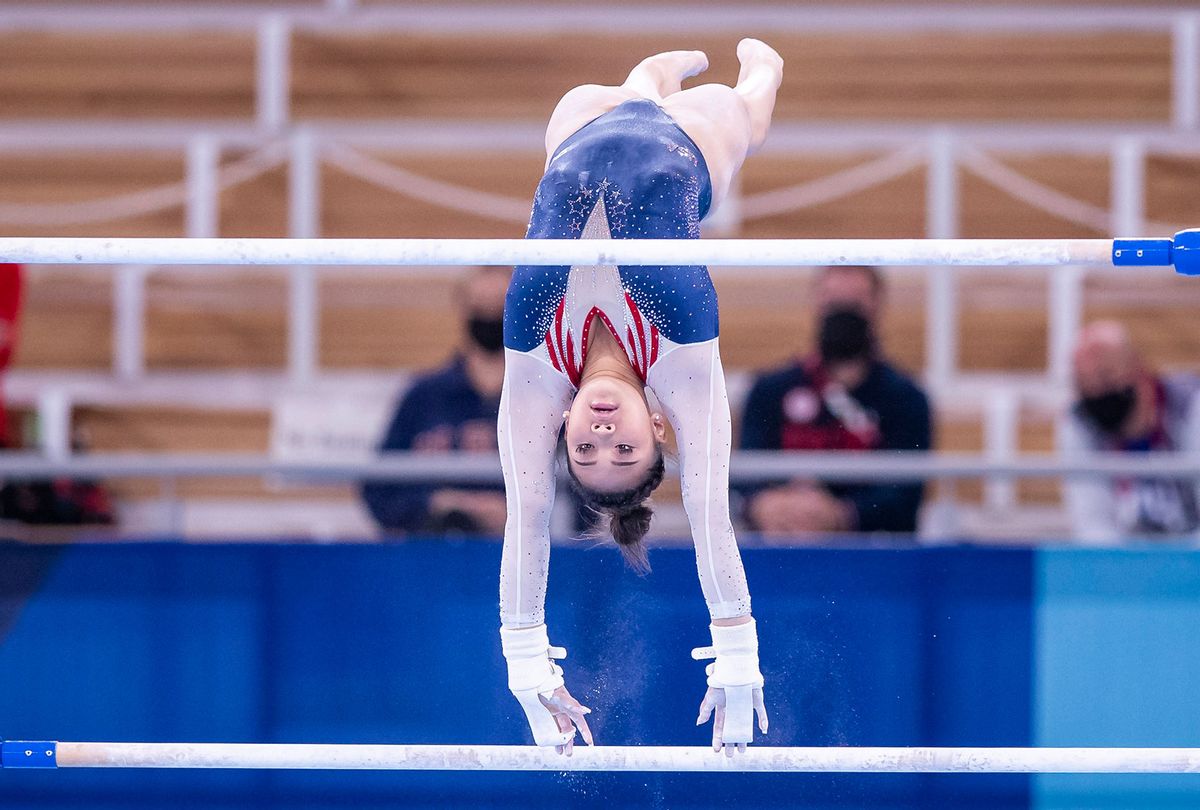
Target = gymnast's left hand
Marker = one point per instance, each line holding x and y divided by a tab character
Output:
571	715
735	685
716	705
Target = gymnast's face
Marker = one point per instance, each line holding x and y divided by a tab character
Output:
612	438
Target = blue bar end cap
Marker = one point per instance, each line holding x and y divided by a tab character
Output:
28	754
1143	252
1185	252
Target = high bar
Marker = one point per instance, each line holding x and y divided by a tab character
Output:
667	252
600	758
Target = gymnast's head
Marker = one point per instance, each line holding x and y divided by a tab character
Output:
615	457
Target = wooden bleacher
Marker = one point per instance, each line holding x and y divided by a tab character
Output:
237	319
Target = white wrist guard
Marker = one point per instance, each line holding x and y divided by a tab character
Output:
531	672
736	651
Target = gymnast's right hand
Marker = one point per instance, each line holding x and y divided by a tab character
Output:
570	715
537	683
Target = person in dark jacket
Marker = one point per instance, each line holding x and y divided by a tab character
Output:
451	409
844	396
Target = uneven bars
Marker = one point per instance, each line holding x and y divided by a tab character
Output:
1181	251
18	754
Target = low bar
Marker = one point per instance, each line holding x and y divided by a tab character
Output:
622	758
428	252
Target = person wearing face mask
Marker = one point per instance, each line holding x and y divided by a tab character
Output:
844	396
585	345
1121	405
452	408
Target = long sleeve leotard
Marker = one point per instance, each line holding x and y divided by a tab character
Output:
631	173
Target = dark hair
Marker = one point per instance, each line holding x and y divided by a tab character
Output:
627	511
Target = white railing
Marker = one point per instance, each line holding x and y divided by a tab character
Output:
746	467
950	152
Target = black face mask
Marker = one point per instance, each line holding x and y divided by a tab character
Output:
1110	410
845	334
486	333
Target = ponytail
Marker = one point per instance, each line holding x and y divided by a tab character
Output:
628	527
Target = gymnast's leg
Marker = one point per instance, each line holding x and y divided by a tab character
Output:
758	81
728	123
655	77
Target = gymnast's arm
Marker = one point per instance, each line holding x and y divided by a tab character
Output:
531	407
690	385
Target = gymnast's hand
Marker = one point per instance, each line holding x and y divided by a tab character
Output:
734	685
537	684
716	705
570	715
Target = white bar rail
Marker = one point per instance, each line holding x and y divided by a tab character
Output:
599	758
747	467
728	252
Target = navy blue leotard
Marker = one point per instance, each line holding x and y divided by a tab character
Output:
632	173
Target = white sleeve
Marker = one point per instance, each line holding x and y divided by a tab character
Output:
531	408
1089	500
690	384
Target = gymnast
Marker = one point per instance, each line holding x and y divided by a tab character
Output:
582	344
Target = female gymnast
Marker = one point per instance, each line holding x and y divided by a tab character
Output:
643	160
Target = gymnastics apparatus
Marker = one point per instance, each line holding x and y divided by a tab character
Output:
1182	252
18	754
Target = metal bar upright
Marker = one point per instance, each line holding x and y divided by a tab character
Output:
273	72
1065	319
304	201
203	201
942	220
129	321
1185	68
1128	186
1000	438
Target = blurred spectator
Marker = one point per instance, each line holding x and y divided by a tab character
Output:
844	396
452	408
1123	405
61	502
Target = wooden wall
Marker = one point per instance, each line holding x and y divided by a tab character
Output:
237	318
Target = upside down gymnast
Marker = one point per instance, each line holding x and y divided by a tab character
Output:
643	160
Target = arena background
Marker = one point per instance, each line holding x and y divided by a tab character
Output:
284	118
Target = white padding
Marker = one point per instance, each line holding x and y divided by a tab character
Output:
739	715
736	651
527	651
531	674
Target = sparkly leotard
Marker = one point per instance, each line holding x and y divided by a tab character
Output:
631	173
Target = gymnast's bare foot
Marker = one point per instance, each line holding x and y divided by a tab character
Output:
760	62
693	62
661	75
759	78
